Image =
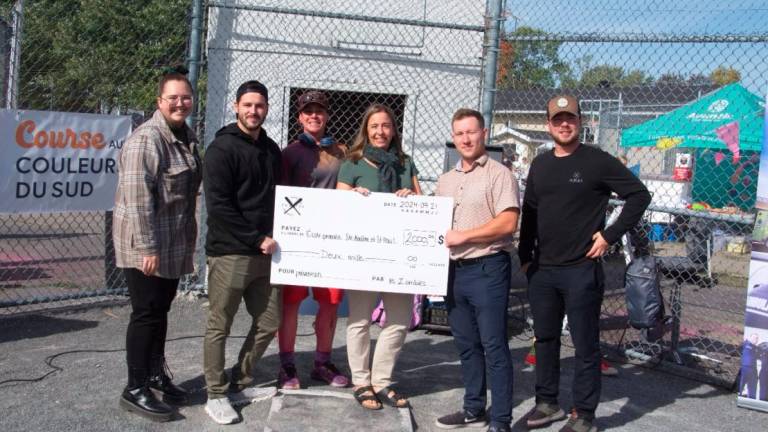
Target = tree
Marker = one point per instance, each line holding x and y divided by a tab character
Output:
601	76
97	55
529	63
635	78
506	52
577	69
671	79
699	79
724	75
613	76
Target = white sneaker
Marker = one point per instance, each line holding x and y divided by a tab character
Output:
221	411
252	394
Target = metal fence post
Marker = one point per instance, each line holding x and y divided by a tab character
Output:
491	56
14	63
193	60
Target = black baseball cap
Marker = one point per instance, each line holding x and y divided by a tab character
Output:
312	97
252	87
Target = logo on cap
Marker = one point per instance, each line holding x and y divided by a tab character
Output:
562	102
313	97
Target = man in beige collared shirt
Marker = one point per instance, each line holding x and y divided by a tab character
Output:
485	215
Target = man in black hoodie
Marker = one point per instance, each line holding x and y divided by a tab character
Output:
240	171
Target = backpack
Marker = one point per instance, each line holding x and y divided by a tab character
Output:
645	306
642	283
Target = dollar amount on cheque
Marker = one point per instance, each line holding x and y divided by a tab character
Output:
342	239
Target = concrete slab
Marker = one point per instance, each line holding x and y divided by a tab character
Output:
331	411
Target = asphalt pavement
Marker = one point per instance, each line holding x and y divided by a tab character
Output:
75	363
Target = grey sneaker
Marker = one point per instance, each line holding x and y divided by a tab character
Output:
461	419
221	411
543	414
578	424
251	394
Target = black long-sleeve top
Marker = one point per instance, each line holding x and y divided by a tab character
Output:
239	178
565	203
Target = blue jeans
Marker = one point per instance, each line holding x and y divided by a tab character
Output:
478	295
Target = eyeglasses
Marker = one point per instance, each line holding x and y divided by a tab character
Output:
462	134
174	99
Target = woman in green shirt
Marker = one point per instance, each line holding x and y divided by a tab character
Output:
377	164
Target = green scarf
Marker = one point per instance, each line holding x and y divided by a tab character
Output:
388	162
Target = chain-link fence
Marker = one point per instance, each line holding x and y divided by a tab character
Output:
89	56
656	80
423	59
633	67
104	56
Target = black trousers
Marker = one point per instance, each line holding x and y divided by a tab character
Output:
151	298
577	291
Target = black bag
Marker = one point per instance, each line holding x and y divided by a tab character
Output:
645	305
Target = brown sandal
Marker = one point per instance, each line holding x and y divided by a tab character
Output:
360	397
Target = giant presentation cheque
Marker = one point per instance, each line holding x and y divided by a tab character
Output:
342	239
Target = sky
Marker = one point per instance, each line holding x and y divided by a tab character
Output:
663	19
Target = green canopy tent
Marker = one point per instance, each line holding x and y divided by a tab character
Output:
718	183
693	125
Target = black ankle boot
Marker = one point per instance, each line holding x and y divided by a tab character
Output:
160	380
138	398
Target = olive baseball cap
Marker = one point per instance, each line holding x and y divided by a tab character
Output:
563	103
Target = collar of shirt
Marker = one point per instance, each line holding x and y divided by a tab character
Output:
479	161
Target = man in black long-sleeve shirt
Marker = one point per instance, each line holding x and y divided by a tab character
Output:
562	238
240	171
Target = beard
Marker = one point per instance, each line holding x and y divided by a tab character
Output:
252	124
562	143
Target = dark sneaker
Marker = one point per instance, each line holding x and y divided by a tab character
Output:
607	369
287	378
530	359
461	419
143	402
578	424
499	428
543	414
330	374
